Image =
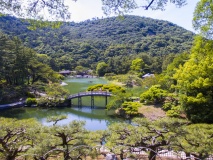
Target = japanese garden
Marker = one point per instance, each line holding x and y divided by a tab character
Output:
123	87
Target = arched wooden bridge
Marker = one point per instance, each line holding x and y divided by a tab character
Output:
91	94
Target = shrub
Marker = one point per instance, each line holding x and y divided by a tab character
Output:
153	95
30	101
175	111
30	95
106	87
131	108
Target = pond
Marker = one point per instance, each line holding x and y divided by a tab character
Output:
97	118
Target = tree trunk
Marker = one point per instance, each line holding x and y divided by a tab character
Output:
41	158
153	153
188	156
122	154
66	155
12	156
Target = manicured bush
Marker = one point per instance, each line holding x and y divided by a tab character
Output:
131	108
31	101
106	87
153	95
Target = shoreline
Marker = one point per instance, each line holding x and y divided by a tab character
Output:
116	83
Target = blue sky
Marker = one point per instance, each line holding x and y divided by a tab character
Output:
88	9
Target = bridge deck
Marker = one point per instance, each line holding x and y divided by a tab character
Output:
92	93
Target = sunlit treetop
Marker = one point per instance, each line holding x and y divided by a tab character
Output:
35	9
203	18
120	7
58	10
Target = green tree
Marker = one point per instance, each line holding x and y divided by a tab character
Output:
137	65
150	135
15	60
196	140
117	99
7	58
107	87
56	91
166	79
125	6
16	137
35	9
195	81
153	95
58	8
44	145
203	18
130	108
65	62
21	64
39	71
43	58
56	119
69	137
101	68
81	70
168	59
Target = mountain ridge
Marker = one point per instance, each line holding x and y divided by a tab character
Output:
93	41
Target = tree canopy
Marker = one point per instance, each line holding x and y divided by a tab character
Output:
203	18
195	81
108	40
35	9
125	6
59	10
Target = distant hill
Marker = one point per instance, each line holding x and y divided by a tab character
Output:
97	40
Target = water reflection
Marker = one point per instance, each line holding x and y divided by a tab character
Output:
96	119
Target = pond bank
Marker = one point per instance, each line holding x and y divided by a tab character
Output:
97	118
13	105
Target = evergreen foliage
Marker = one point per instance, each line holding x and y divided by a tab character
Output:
195	81
130	108
28	139
30	101
19	64
107	87
153	95
203	20
145	134
21	70
111	40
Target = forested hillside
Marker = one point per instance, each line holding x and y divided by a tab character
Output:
110	40
21	70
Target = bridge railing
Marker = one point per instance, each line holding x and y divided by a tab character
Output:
90	93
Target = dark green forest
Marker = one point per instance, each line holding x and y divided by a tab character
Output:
181	86
21	69
111	40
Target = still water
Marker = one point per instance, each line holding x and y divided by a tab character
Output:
96	119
